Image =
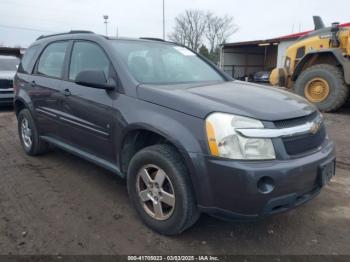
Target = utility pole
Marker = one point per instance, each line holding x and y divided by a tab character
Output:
163	21
105	17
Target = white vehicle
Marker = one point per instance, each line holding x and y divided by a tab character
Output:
8	68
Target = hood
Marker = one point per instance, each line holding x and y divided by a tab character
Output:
8	75
236	97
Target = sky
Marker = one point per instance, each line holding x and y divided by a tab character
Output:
22	21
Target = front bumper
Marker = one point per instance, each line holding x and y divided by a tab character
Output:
229	189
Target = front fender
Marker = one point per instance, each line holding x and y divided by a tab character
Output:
184	131
148	127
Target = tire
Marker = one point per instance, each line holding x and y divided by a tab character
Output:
37	146
184	212
338	90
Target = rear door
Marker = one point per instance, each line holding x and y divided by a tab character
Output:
45	90
88	111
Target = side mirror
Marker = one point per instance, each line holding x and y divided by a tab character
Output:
94	79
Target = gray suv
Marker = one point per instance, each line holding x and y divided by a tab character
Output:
188	138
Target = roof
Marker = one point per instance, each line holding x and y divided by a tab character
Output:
66	33
298	35
90	34
252	43
276	40
294	36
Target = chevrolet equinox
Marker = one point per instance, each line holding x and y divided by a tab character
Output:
187	137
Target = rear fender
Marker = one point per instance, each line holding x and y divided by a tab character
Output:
23	98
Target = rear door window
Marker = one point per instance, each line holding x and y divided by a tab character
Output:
51	61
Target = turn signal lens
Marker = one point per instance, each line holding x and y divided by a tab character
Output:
211	139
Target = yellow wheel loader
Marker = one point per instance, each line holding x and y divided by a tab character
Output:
317	66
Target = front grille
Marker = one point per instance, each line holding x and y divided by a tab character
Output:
6	83
296	121
297	145
301	144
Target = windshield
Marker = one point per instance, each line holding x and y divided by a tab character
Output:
161	63
8	63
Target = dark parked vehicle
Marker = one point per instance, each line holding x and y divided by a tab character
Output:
262	76
187	137
8	68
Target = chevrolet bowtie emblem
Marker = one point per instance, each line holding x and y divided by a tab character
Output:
315	126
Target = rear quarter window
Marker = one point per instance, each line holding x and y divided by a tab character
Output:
27	60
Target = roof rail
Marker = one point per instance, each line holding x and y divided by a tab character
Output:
153	39
66	33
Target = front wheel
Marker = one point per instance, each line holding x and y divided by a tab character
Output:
324	86
161	191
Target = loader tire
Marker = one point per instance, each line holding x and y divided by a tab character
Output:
323	85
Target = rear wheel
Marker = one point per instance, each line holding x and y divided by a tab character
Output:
324	86
28	133
161	191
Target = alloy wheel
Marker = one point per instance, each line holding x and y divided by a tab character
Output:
156	192
26	133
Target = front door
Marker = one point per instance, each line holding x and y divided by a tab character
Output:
88	112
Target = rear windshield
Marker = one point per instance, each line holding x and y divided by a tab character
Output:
161	63
8	63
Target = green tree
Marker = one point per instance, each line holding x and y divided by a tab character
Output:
215	55
203	50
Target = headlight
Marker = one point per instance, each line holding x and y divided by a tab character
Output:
225	142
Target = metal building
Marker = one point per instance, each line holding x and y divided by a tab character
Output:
243	59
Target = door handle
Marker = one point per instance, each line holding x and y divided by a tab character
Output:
66	92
